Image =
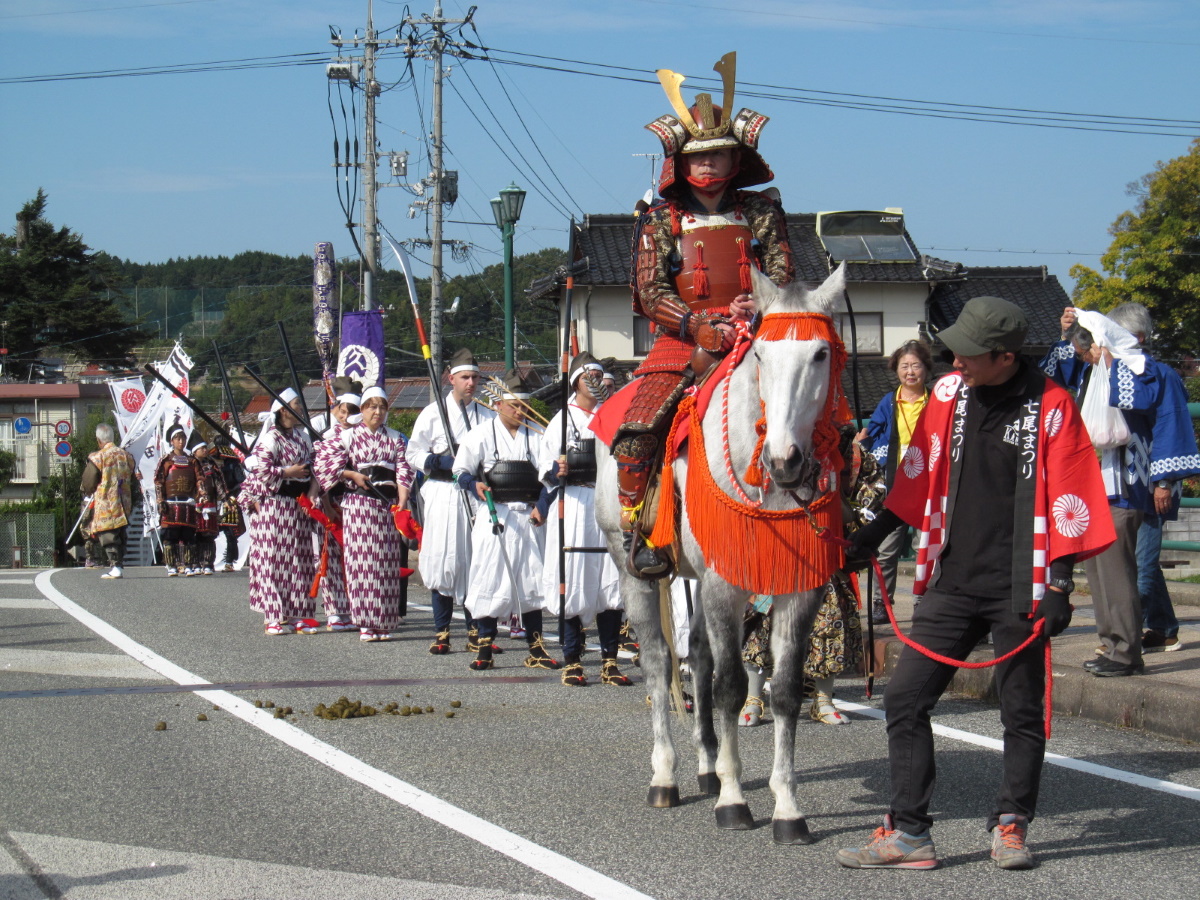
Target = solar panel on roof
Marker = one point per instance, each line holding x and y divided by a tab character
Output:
865	236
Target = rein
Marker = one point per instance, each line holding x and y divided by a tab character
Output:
1038	629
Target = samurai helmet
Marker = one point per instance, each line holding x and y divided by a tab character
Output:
705	126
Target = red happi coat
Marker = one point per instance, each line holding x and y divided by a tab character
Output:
1070	512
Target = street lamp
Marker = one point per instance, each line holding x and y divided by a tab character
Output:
507	210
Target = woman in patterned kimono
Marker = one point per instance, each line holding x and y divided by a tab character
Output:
371	458
176	482
281	553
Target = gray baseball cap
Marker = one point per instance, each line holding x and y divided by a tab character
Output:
986	324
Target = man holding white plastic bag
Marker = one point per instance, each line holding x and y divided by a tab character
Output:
1099	358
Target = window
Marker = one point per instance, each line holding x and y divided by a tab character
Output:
642	337
868	327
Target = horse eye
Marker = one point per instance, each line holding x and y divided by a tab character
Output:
821	355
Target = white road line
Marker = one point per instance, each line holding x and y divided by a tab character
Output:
566	871
66	662
16	581
1054	759
26	603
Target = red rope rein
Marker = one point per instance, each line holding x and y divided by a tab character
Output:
1038	629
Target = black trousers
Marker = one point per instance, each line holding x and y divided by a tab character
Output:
952	625
608	625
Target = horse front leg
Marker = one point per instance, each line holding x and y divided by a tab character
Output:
724	611
642	606
793	617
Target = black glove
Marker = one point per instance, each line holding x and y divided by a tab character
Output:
865	541
1055	607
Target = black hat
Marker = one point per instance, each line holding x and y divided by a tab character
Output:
581	363
174	430
196	441
516	387
346	390
463	360
986	324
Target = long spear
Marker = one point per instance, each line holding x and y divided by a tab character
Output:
228	392
287	353
301	414
198	411
427	353
562	488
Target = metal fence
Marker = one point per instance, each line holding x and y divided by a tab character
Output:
26	540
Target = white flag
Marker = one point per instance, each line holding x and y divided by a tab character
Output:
129	396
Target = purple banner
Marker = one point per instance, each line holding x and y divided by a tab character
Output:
362	353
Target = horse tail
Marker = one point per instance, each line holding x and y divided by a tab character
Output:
667	623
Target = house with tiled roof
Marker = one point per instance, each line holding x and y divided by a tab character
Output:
896	292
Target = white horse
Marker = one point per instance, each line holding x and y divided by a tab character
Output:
791	378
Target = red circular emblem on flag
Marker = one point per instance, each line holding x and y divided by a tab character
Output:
183	385
132	400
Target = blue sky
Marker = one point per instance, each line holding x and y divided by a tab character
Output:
213	163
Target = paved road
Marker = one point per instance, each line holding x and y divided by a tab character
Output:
531	790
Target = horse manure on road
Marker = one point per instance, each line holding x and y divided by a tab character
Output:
202	718
345	708
160	726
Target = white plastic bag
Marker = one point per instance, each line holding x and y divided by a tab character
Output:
1105	423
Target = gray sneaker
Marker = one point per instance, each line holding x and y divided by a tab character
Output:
1008	843
891	849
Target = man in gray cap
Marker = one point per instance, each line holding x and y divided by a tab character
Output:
996	434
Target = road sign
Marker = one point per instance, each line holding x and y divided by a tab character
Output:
63	450
63	429
22	425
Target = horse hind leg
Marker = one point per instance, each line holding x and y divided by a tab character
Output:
724	611
789	645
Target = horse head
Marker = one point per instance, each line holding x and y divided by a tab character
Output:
794	349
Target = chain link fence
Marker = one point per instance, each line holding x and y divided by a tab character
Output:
27	540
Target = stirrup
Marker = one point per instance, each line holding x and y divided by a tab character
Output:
610	674
573	676
823	711
752	712
441	644
538	658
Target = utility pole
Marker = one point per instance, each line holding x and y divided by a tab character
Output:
433	48
370	161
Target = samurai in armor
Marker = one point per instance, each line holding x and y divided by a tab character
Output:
211	493
176	482
691	276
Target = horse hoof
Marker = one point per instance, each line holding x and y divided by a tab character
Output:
791	831
710	784
663	797
735	817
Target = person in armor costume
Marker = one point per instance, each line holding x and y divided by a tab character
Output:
108	479
691	276
592	590
210	495
281	552
500	456
345	414
445	559
233	523
369	458
176	482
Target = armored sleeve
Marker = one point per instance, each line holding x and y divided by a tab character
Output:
767	222
654	257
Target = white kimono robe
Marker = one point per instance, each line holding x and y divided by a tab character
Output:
490	590
591	578
445	558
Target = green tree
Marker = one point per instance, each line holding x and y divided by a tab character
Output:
55	294
1154	258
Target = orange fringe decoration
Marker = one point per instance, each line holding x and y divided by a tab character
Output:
700	272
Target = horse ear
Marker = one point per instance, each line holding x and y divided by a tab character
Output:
766	292
829	297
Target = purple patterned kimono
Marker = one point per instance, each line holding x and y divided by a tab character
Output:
281	549
371	553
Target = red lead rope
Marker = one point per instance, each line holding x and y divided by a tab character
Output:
1038	627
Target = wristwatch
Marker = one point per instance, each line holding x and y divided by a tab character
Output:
1066	585
1165	485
